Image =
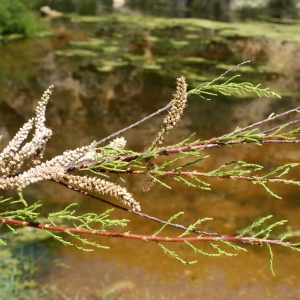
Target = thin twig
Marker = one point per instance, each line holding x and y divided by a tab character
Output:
179	226
135	124
277	127
188	148
204	174
264	121
233	68
160	110
225	73
71	165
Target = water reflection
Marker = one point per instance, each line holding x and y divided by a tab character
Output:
219	10
109	74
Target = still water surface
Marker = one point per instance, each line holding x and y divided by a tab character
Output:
109	73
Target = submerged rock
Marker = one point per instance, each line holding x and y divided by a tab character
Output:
46	11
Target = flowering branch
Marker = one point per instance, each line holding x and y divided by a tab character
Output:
86	170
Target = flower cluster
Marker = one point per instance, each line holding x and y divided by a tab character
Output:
84	157
36	148
171	119
118	143
179	104
33	175
97	185
13	157
148	181
69	158
176	110
9	158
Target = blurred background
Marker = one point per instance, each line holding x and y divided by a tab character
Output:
113	63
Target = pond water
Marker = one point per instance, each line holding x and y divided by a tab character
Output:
112	70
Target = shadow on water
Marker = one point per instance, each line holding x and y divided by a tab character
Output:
110	71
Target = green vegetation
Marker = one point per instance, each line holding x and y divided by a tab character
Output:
17	19
19	267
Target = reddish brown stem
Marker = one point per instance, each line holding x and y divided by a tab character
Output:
150	238
203	174
208	145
